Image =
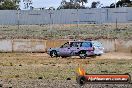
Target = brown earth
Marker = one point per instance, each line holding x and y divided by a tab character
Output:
39	70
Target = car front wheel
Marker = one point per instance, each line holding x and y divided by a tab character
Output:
53	54
82	55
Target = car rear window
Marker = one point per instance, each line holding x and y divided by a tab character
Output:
97	44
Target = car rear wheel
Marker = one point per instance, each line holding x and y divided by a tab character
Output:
82	55
99	54
53	54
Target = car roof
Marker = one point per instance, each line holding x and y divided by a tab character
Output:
80	41
96	42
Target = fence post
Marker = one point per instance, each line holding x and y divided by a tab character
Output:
12	45
115	45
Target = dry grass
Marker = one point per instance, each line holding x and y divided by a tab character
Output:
124	31
41	66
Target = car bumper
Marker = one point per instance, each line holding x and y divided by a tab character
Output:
99	53
89	53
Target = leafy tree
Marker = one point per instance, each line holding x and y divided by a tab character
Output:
69	5
122	3
73	4
8	5
1	1
51	8
126	1
95	4
112	5
27	3
82	1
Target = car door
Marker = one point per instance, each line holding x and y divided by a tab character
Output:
74	48
64	50
88	47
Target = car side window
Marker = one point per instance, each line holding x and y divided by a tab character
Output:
86	44
75	44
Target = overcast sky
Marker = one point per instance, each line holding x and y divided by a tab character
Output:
56	3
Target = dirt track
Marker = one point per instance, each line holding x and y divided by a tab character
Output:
38	70
114	55
117	56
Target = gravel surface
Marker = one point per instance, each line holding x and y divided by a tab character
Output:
25	83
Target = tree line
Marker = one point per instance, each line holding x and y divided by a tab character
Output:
122	3
9	4
72	4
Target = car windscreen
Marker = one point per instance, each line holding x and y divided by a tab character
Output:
65	45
